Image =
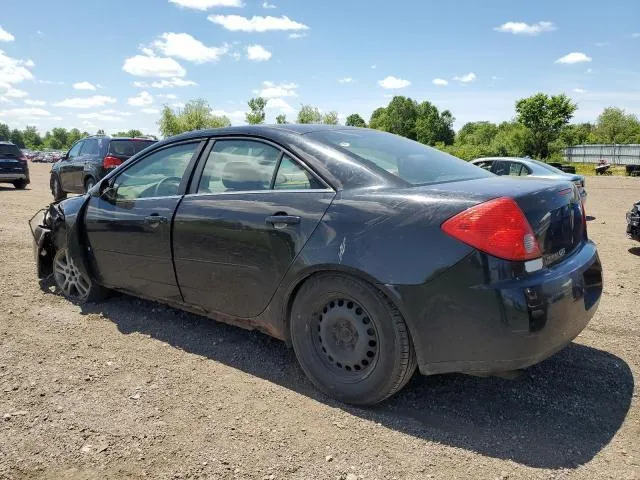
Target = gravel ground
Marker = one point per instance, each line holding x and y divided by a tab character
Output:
130	389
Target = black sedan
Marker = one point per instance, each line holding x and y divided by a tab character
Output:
369	253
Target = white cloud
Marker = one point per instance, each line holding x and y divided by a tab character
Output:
258	53
168	96
268	5
522	28
206	4
87	102
142	100
373	67
13	70
235	117
293	36
15	93
469	77
5	36
35	103
152	66
177	105
271	90
171	83
50	82
440	82
602	44
25	113
574	57
237	23
84	86
279	104
579	90
345	80
183	45
393	83
111	111
150	111
100	116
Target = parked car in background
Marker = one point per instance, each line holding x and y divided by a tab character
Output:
89	160
633	222
528	167
368	252
13	166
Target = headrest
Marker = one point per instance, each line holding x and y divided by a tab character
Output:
244	176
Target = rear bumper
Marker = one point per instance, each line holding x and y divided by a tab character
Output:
461	323
12	177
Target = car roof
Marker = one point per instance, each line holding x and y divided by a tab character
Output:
2	142
262	130
517	159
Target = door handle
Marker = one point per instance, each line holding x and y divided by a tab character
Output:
277	220
155	219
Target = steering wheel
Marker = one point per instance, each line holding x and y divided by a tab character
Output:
166	182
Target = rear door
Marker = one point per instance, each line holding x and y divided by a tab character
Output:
246	218
129	225
90	150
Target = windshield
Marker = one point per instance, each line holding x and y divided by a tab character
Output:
411	161
548	167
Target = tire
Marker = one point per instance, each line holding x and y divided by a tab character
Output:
20	184
56	189
350	340
74	285
89	182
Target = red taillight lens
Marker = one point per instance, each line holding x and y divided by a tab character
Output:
111	162
497	227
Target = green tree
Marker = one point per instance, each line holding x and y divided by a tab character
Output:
446	133
512	140
477	133
73	137
5	132
614	125
309	114
32	138
281	119
544	116
100	132
402	113
57	139
355	120
133	133
196	115
256	114
16	138
378	120
330	118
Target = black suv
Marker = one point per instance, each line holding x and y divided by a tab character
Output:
13	166
89	160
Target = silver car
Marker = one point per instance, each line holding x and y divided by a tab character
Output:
528	167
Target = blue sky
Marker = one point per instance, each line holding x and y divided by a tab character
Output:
113	64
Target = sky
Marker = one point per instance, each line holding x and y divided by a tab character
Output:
113	64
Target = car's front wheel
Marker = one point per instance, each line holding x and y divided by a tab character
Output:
20	184
74	284
350	340
56	189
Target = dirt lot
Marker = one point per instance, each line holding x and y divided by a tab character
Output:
129	388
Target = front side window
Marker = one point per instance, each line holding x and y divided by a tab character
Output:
411	161
75	150
156	175
239	165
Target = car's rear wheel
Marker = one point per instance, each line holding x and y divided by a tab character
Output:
74	285
56	189
20	184
89	183
350	340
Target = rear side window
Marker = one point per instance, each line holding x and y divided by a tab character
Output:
413	162
128	148
291	176
9	151
239	165
90	147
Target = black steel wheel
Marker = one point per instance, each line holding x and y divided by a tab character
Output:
350	340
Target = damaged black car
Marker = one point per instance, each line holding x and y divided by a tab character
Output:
633	222
370	254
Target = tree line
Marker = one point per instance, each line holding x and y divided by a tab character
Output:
540	128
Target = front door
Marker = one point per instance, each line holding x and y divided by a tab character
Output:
239	231
129	225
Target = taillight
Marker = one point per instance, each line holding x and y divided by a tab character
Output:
111	162
497	227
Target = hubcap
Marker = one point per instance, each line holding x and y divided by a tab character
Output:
345	337
70	280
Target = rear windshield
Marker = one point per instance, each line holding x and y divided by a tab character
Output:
548	167
128	148
9	151
411	161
